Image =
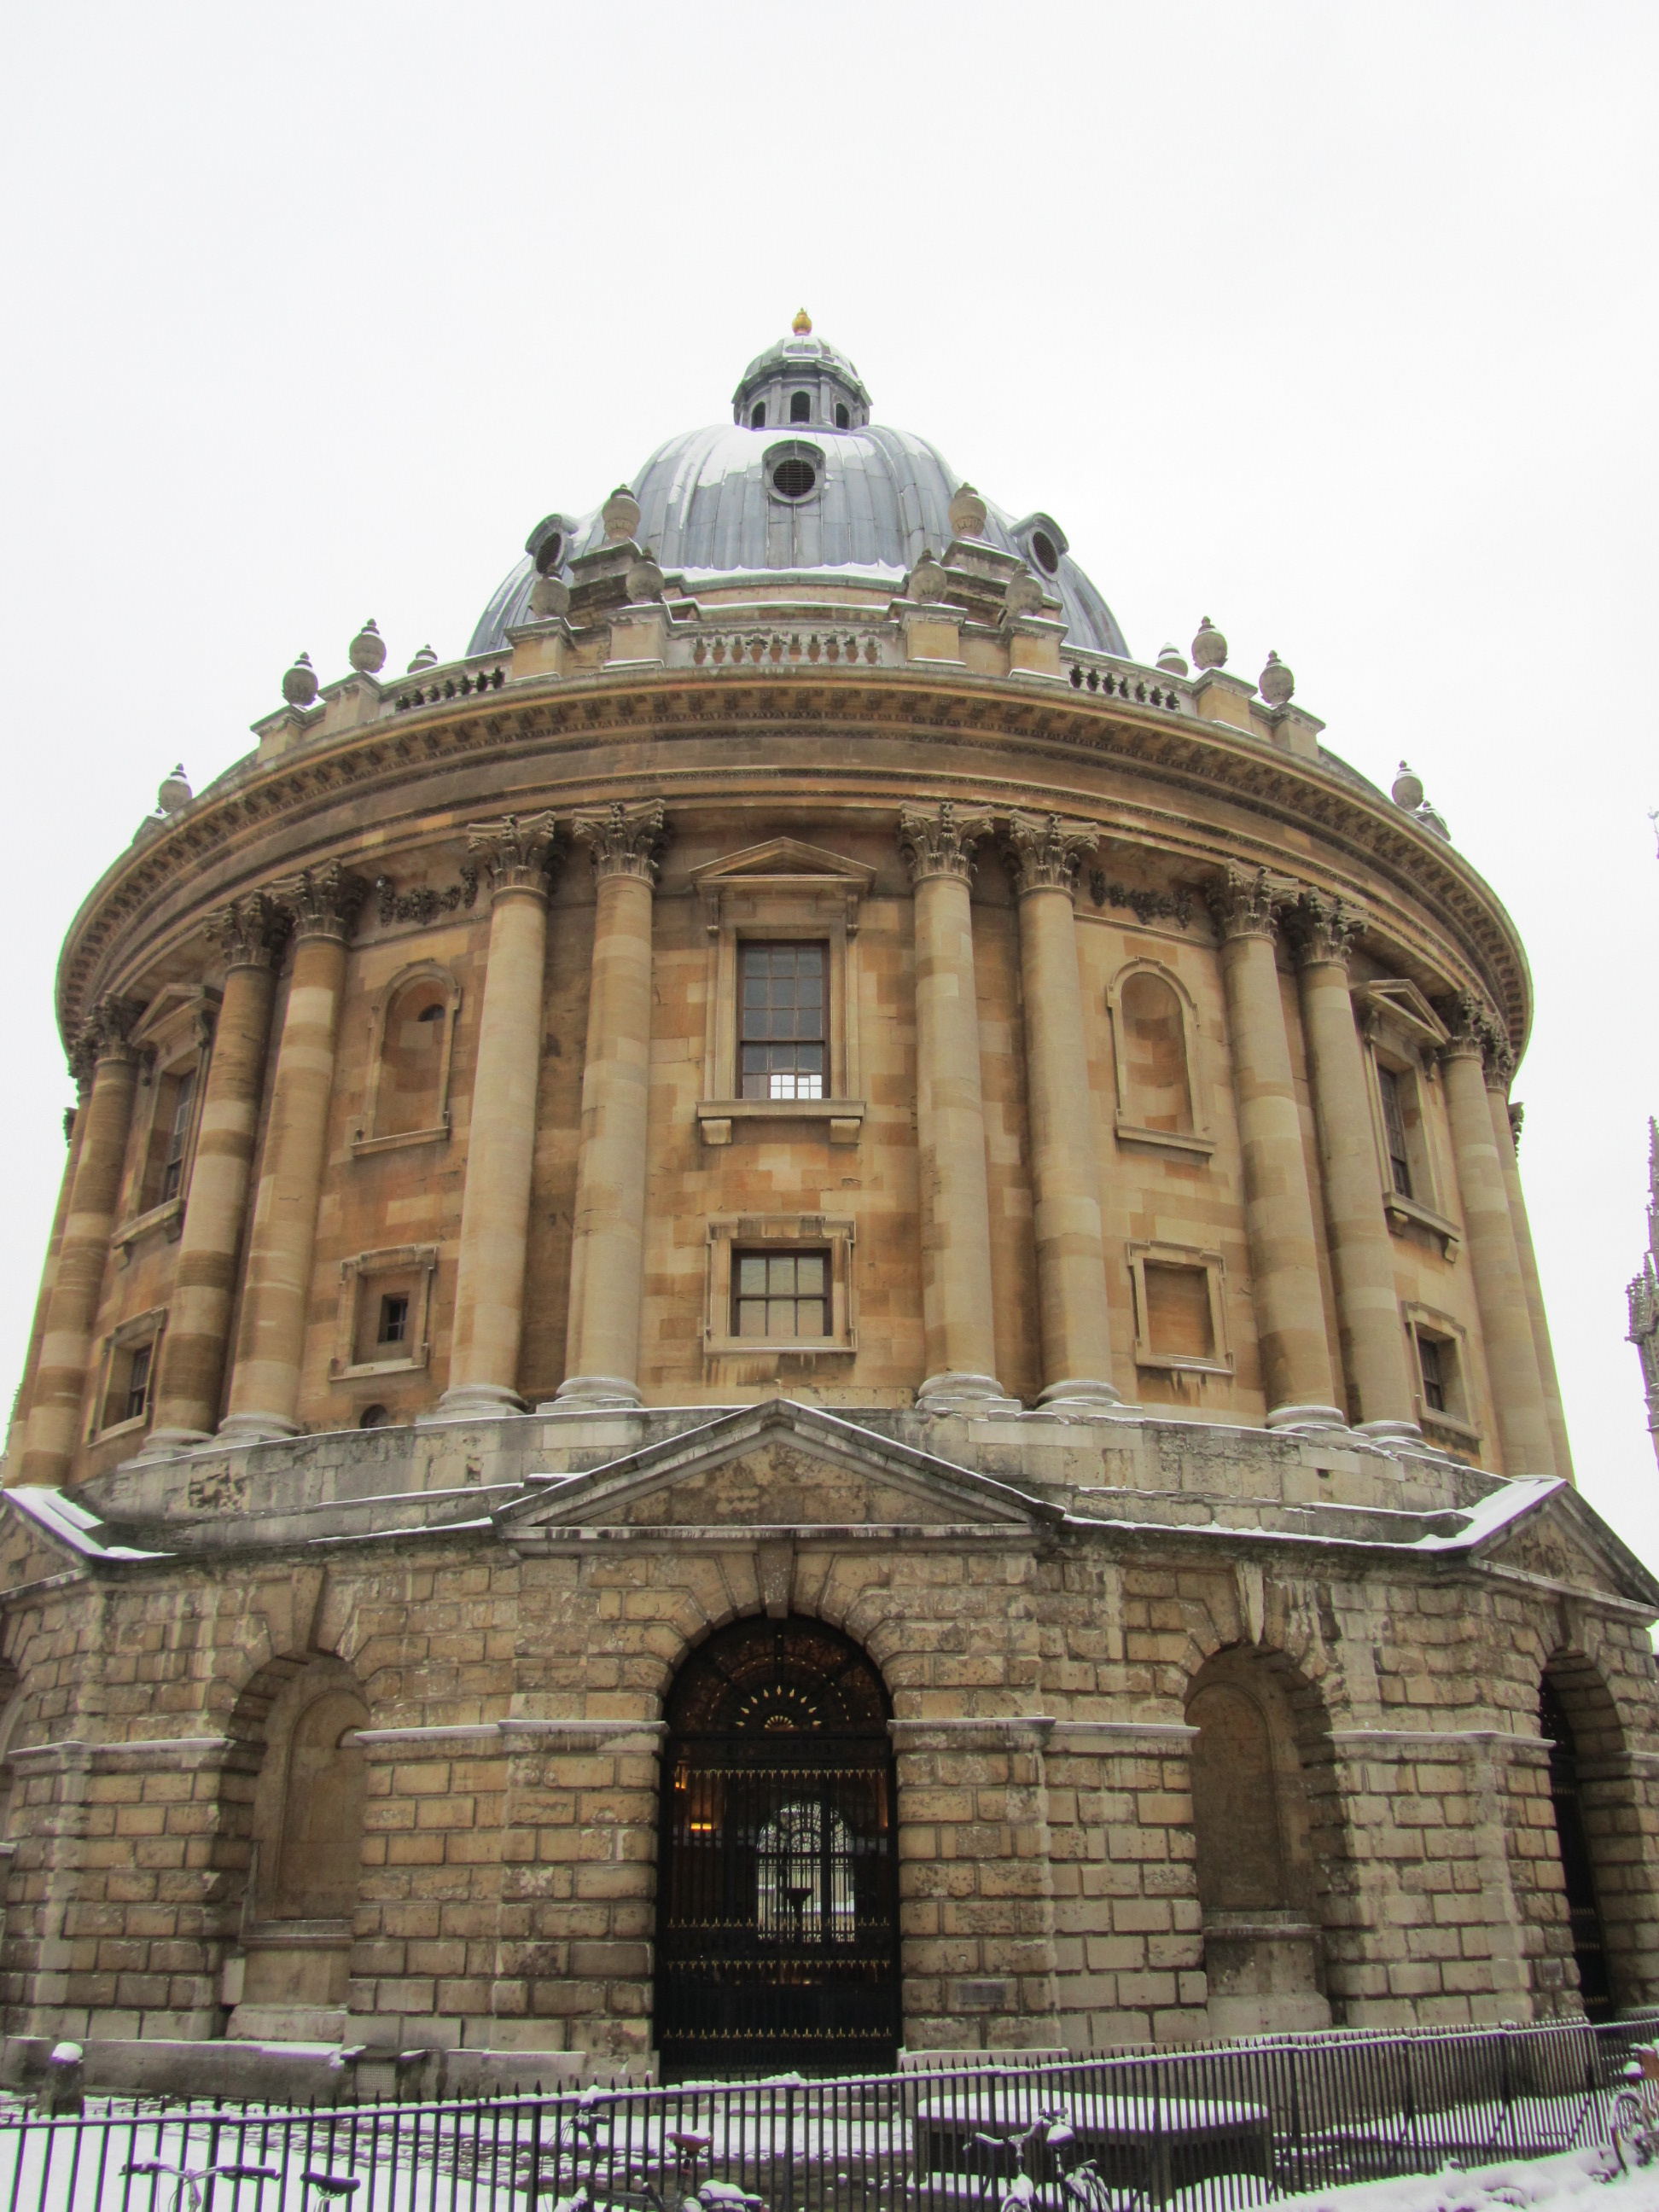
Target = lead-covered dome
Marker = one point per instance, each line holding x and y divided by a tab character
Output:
801	483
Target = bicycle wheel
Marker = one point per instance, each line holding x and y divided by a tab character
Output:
1630	2129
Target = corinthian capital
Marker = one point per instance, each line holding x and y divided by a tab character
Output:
1242	903
521	852
624	841
250	930
1044	852
1322	930
325	901
1473	1026
940	841
104	1035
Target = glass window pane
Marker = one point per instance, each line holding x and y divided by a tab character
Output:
781	1317
751	1317
751	1275
780	1274
809	1274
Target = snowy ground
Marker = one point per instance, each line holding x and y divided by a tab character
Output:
1581	2181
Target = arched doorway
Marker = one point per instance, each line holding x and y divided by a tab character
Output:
1589	1947
777	1913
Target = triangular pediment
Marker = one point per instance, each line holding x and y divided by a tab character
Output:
785	857
1565	1540
779	1465
1406	1003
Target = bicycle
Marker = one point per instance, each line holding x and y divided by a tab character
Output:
1635	2111
1082	2187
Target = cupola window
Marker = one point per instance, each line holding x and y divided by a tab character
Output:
793	471
800	407
1047	555
757	419
843	420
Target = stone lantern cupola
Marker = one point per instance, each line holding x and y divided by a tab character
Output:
801	381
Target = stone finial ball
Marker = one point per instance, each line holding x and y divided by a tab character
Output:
424	658
1024	595
1172	660
368	650
621	516
300	685
967	513
548	597
1276	683
174	791
1209	647
1407	790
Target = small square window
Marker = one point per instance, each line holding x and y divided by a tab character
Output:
783	1048
394	1319
780	1294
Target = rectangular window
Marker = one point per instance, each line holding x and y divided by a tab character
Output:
394	1319
780	1294
1433	1360
1394	1125
781	1049
172	1166
138	1382
1178	1317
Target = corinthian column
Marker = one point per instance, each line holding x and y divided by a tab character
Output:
1043	852
958	1315
60	1381
193	1363
1362	1251
264	1388
602	1345
1500	1070
1278	1222
484	1365
75	1123
1523	1432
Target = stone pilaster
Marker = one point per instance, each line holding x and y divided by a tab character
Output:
484	1367
190	1377
1043	854
1500	1070
264	1388
1362	1252
102	1053
1517	1392
603	1343
1279	1223
75	1123
959	1314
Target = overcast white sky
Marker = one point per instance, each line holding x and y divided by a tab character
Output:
1335	322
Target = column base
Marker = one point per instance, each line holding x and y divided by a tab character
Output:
1306	1417
255	1429
1081	1398
1386	1432
474	1401
973	1396
594	1394
169	1443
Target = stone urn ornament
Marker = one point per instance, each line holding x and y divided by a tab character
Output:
550	598
966	512
1209	647
1276	683
174	790
368	650
1407	790
620	515
1172	660
1024	595
926	580
424	658
300	685
644	581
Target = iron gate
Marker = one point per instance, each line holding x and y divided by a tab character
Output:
777	1932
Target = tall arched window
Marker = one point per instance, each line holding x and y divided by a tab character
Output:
1155	1051
800	407
412	1045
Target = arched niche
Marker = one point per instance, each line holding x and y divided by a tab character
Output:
411	1044
1261	1885
1156	1059
1610	1902
307	1835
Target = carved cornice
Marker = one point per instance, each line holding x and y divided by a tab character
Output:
325	901
521	852
1322	931
941	841
105	1034
1243	904
1043	852
251	932
623	840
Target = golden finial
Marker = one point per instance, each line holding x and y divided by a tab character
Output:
802	326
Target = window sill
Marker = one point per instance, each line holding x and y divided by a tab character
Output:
1406	1213
1449	1427
414	1365
1175	1141
168	1215
1175	1362
128	1428
397	1143
760	1347
716	1115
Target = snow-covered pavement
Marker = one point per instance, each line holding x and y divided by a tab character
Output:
1579	2181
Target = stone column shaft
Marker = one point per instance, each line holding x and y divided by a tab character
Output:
602	1351
1362	1250
60	1381
75	1123
1278	1223
1503	1129
191	1372
958	1311
1071	1257
1500	1293
265	1390
484	1365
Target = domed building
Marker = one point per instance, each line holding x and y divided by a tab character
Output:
793	1318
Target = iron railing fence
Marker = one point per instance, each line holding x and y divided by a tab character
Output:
1195	2131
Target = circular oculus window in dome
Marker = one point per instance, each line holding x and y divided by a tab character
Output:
1047	552
793	472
